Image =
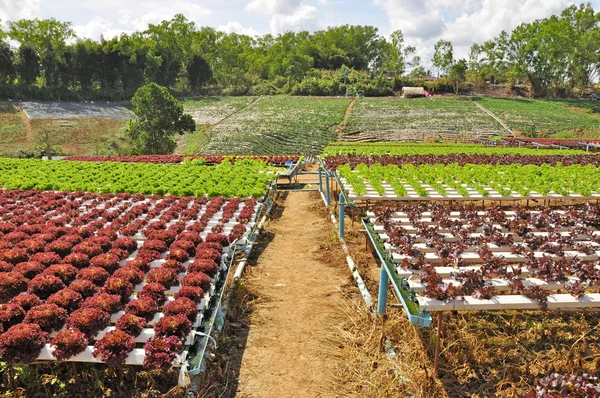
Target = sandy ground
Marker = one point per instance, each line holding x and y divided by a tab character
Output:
285	353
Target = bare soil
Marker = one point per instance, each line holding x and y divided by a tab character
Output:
286	353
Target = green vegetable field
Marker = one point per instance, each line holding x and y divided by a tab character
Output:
279	125
246	178
545	115
396	119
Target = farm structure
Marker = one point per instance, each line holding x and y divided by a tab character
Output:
496	231
120	278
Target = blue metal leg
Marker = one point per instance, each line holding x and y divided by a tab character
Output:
383	286
320	181
342	203
327	192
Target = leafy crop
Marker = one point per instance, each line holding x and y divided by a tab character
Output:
532	235
114	240
483	179
247	178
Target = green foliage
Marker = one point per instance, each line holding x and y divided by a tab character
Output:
159	117
247	178
458	75
443	57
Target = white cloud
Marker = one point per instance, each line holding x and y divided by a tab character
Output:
303	18
19	9
463	22
236	27
155	12
97	27
279	7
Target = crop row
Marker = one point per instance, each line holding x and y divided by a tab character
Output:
281	124
421	116
572	143
273	160
246	178
333	162
437	149
456	181
461	251
72	264
529	115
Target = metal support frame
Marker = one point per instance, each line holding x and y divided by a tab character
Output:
327	190
342	207
320	180
422	319
383	287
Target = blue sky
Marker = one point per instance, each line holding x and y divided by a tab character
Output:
423	21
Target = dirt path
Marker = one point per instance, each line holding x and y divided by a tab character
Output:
286	351
344	123
29	138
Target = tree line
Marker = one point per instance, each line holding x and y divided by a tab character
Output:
43	59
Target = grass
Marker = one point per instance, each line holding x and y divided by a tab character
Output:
421	116
569	119
211	110
82	136
279	125
12	129
192	143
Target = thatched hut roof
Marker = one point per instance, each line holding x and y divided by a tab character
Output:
413	92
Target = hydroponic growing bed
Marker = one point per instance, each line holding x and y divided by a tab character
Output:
469	182
464	258
120	279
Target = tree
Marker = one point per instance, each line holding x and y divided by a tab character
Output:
28	65
48	38
199	72
458	75
159	117
443	56
398	53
